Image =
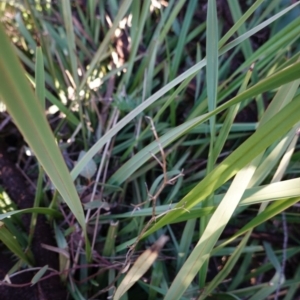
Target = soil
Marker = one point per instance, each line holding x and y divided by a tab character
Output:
15	186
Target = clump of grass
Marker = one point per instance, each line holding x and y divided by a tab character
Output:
224	113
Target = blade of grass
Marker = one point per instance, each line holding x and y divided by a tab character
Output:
138	23
212	75
67	16
240	22
211	234
230	264
257	28
29	117
272	210
140	267
35	279
182	37
38	210
12	244
40	77
228	122
236	14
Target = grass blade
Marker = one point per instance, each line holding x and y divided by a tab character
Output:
12	244
29	117
40	76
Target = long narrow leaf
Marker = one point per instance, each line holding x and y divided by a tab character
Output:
11	243
29	116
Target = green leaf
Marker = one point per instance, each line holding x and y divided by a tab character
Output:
29	117
40	76
12	244
39	275
38	210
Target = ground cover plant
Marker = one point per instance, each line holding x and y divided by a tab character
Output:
149	149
